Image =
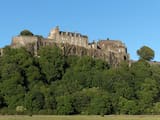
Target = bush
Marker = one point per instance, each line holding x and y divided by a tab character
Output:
20	109
26	33
7	111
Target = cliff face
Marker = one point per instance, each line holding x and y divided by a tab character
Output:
111	51
94	53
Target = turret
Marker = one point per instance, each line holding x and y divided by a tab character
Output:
53	33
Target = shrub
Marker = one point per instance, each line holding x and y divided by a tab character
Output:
26	33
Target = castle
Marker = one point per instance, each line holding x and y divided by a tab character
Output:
112	51
68	37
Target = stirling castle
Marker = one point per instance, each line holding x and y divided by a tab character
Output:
112	51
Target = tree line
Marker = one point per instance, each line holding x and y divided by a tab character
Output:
57	84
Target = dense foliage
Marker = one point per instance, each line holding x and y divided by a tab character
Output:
54	84
26	33
146	53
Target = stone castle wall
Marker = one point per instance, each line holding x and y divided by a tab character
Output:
21	41
68	37
31	42
116	47
112	51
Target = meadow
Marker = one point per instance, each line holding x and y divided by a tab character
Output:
78	117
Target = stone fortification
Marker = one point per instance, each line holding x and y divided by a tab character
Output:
26	41
114	46
21	41
112	51
68	37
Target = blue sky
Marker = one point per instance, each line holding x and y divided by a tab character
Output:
134	22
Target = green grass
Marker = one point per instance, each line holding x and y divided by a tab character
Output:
78	117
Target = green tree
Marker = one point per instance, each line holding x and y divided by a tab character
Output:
26	33
81	102
13	84
96	101
52	63
32	76
145	53
126	106
156	108
147	94
34	101
64	105
2	102
100	105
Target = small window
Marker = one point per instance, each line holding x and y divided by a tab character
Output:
126	50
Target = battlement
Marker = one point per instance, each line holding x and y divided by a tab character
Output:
68	37
71	34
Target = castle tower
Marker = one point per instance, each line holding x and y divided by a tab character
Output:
116	47
54	33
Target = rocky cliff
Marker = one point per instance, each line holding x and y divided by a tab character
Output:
69	50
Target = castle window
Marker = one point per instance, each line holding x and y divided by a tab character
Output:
126	50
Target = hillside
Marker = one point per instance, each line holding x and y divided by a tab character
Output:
56	84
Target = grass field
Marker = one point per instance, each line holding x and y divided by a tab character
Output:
77	117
